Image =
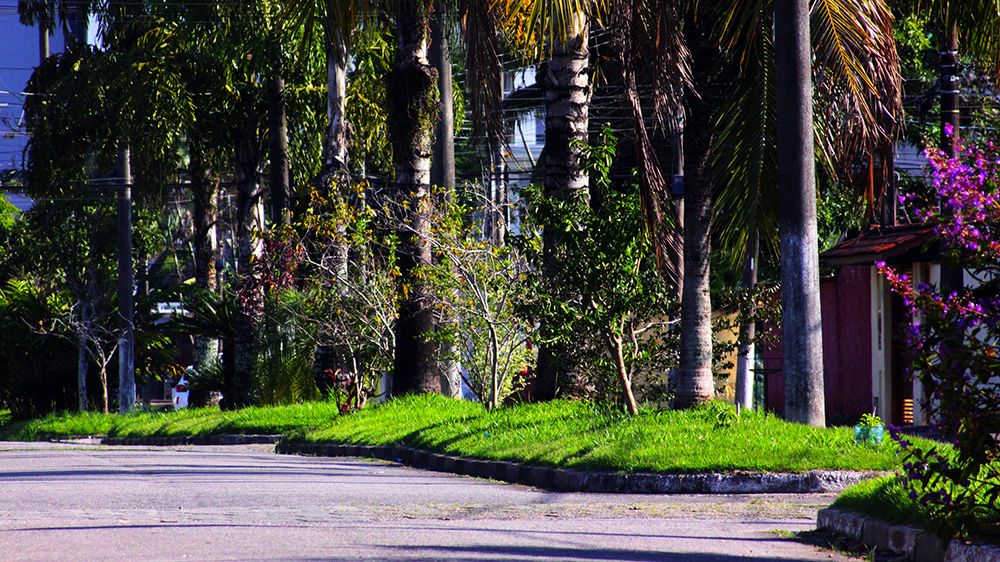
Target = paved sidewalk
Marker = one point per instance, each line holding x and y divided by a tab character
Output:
88	502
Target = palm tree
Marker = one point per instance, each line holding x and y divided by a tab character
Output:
801	320
557	33
858	107
413	112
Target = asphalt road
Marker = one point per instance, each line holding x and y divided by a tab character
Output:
80	502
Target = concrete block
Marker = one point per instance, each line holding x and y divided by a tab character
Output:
568	480
441	463
537	476
419	458
507	471
928	548
875	533
401	454
477	468
961	551
903	539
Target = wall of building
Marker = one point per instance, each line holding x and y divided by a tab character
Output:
847	362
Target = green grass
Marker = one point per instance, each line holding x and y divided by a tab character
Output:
885	497
193	421
582	435
888	499
561	433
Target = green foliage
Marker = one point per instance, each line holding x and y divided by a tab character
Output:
477	286
8	215
37	362
350	284
373	54
870	420
605	286
839	212
286	347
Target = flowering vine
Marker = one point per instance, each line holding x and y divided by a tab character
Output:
953	342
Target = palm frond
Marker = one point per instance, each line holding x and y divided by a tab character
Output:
857	84
744	156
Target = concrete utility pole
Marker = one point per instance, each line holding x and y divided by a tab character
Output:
952	276
126	341
43	43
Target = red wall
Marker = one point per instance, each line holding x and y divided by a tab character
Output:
847	361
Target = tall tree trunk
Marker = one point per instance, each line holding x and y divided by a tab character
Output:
82	359
695	384
279	150
952	275
800	303
677	190
336	147
126	285
443	163
443	176
336	155
565	80
413	112
205	193
744	359
248	248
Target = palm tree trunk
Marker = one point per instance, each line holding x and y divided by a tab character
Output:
205	193
336	147
800	303
248	247
695	384
279	150
82	359
443	176
413	112
565	79
744	378
126	285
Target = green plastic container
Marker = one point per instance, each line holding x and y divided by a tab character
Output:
864	435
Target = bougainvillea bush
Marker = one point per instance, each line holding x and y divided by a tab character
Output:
954	341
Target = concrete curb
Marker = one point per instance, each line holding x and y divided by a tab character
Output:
911	542
231	439
570	480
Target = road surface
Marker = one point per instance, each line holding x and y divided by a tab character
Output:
89	502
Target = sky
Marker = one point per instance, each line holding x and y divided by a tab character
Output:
18	58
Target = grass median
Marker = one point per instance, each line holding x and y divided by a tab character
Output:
561	433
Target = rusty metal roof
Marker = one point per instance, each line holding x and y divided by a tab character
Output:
890	243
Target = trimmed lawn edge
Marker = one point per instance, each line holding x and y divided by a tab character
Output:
574	480
909	541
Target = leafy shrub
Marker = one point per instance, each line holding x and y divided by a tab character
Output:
37	367
955	344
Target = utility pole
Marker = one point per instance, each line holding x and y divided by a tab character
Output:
126	341
43	43
952	276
